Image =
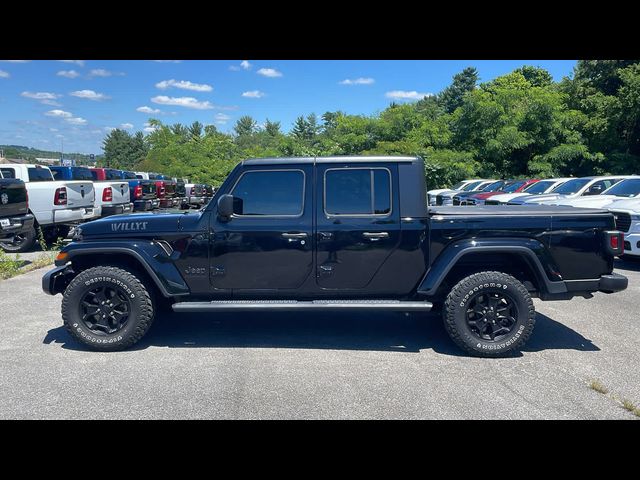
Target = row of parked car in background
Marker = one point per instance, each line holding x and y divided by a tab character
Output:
620	194
55	199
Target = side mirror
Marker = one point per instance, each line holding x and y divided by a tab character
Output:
225	206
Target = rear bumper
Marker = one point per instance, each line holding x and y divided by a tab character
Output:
117	209
76	215
144	205
196	200
17	224
612	283
169	202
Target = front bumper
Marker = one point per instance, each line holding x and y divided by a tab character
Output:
56	280
632	244
116	209
17	225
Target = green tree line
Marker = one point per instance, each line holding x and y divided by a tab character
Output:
520	124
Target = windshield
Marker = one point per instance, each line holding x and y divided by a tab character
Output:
539	187
626	188
572	186
130	175
512	187
492	187
470	186
457	186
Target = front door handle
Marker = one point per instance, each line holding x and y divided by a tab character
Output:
295	235
375	235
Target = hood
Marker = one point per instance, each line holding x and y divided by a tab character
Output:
595	201
505	197
485	195
631	205
544	198
438	191
137	224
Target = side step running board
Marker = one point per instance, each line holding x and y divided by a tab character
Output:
293	305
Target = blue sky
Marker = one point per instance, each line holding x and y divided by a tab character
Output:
44	102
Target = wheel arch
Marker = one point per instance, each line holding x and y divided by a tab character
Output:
528	257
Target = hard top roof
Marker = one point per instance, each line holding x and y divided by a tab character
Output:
336	159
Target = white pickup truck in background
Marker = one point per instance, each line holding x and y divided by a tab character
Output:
56	205
112	191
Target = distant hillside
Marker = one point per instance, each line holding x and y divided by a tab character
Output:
28	153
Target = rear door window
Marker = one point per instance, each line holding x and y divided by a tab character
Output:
357	191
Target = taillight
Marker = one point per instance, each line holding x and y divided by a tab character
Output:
60	197
615	242
193	191
161	191
137	192
107	194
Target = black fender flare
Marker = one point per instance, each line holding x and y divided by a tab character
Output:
531	250
153	258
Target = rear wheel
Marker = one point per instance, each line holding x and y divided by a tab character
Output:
489	314
22	242
107	308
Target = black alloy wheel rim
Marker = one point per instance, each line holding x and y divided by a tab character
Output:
491	315
105	310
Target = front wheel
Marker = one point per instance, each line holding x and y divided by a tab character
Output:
489	314
107	308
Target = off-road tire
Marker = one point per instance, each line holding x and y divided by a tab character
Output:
24	246
138	323
458	300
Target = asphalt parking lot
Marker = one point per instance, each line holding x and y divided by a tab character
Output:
276	366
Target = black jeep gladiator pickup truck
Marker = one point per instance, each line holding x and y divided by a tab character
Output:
15	219
334	233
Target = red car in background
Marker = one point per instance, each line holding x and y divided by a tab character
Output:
509	186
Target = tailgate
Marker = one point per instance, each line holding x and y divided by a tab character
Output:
80	193
119	192
170	189
13	198
148	190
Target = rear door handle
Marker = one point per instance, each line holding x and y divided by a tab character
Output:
375	235
294	235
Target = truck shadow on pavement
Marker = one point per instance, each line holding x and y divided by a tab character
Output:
628	265
345	331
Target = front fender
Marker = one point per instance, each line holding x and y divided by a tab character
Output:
532	251
148	253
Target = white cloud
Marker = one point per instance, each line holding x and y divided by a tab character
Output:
149	110
269	72
53	129
126	126
101	72
221	118
68	73
406	95
16	61
245	64
89	95
76	120
358	81
4	74
168	61
187	102
59	136
184	85
43	97
80	63
58	113
253	94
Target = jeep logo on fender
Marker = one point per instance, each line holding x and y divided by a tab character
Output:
128	226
